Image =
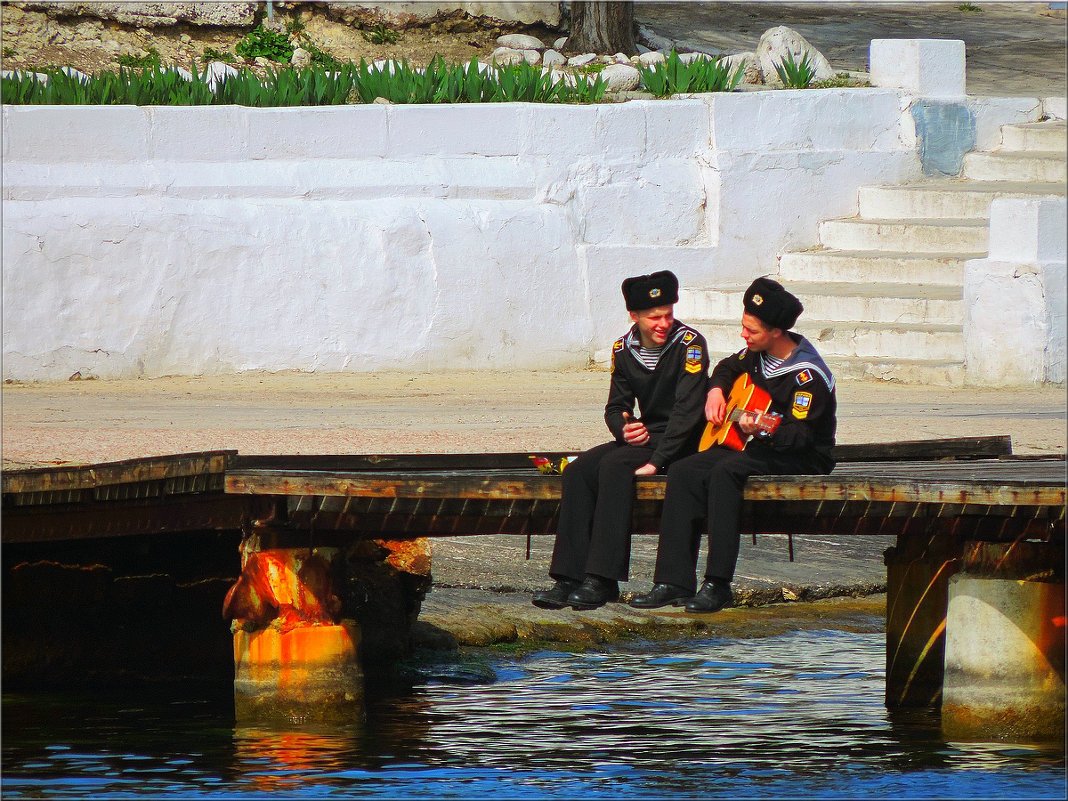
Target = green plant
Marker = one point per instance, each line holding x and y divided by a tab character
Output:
312	86
838	81
211	54
674	76
150	59
381	34
9	52
260	42
968	7
794	74
295	26
149	87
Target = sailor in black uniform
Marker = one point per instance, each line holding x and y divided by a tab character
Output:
662	365
704	491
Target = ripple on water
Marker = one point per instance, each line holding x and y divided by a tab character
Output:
797	714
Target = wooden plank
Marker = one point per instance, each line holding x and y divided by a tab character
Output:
955	447
152	468
950	448
1011	486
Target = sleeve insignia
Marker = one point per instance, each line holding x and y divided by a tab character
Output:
688	337
802	403
804	377
693	359
618	345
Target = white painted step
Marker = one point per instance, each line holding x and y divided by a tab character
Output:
946	199
841	302
927	372
908	235
851	339
1051	136
1009	166
879	267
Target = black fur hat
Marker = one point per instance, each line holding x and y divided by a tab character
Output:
649	291
769	302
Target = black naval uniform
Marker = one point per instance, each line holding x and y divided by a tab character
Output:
593	536
706	488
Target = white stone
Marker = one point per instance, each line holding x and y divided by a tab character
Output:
216	72
924	67
750	66
387	65
76	74
581	60
262	61
40	76
621	77
301	58
651	57
559	43
606	59
689	58
506	55
520	41
186	74
773	46
530	56
552	58
622	58
1054	107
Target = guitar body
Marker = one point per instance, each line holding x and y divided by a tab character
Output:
745	396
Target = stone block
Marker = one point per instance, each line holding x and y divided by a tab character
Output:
198	133
59	134
1027	230
924	67
334	132
490	129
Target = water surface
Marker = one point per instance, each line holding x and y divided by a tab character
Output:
796	715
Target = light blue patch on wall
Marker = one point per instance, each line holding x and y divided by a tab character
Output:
945	131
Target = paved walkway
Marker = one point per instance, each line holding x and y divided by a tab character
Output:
1013	49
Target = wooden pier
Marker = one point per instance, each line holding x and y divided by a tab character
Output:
944	499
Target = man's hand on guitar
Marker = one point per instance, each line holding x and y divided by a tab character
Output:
634	431
748	423
715	406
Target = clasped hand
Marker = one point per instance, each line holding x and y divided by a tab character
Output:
635	433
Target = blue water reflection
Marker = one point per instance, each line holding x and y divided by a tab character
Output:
797	715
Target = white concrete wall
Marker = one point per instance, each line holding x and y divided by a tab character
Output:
1014	328
153	241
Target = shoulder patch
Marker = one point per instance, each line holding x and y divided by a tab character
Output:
688	337
618	344
802	403
804	377
743	353
693	359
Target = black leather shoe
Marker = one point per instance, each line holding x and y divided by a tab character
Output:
593	593
712	597
556	596
662	595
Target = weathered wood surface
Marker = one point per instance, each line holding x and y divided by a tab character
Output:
73	478
1033	482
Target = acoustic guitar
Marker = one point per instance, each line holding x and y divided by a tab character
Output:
745	396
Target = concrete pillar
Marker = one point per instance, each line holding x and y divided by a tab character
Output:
295	660
1004	663
922	67
918	569
1014	300
1004	654
309	674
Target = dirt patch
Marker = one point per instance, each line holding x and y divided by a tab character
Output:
35	40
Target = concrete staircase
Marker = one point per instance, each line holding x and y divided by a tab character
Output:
883	292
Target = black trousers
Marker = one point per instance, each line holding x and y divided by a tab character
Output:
704	492
593	535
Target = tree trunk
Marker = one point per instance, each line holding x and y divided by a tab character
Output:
602	27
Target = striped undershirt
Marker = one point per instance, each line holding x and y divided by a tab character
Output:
650	356
770	362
